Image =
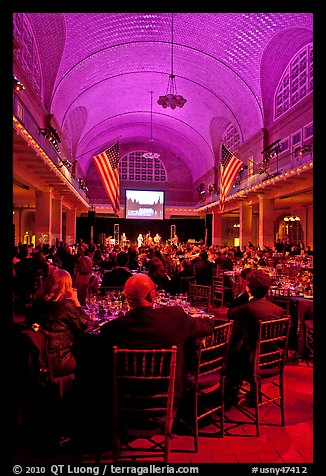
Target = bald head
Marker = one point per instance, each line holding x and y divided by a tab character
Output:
137	288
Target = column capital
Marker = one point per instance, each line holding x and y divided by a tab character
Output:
58	197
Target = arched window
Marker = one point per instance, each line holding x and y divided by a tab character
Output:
135	167
288	227
231	138
296	82
26	53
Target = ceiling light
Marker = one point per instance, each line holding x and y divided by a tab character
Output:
171	99
151	155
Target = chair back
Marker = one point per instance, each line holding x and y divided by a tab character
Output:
235	286
185	282
272	347
212	351
143	393
199	296
280	296
218	289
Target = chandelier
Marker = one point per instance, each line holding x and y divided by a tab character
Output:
171	99
151	155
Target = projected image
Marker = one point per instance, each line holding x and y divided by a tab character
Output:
145	204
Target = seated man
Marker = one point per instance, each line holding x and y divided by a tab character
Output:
203	269
119	274
245	330
146	328
243	296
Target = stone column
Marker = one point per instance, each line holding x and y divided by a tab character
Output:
57	219
71	226
266	221
245	224
43	217
217	228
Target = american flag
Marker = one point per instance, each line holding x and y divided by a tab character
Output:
230	166
107	164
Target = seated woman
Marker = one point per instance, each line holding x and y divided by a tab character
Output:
158	275
85	281
57	310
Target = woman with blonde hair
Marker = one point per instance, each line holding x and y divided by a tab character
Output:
58	311
85	280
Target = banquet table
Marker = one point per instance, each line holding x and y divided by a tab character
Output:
102	315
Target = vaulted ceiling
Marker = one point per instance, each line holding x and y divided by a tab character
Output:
98	70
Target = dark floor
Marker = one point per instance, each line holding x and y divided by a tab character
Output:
292	443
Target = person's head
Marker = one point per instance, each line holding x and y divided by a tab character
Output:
139	291
243	277
57	286
122	258
257	283
187	264
84	265
156	267
203	254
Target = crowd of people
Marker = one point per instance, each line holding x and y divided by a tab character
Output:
57	279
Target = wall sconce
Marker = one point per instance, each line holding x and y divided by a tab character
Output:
201	192
17	85
212	188
201	189
65	163
305	149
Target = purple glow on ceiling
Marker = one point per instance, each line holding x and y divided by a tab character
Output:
98	69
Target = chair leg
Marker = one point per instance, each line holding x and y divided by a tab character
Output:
167	443
196	424
257	398
282	400
116	448
222	407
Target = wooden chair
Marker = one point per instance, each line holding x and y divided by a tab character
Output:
280	296
143	393
309	336
200	296
235	286
207	392
268	376
185	282
219	288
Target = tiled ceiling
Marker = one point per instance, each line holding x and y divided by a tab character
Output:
98	70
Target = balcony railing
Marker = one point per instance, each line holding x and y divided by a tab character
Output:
26	119
274	167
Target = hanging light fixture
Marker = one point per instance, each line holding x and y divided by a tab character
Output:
151	155
171	99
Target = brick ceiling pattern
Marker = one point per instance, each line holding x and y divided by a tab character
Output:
98	70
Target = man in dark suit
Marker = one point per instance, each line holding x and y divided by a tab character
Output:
119	274
146	328
243	296
203	269
246	319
